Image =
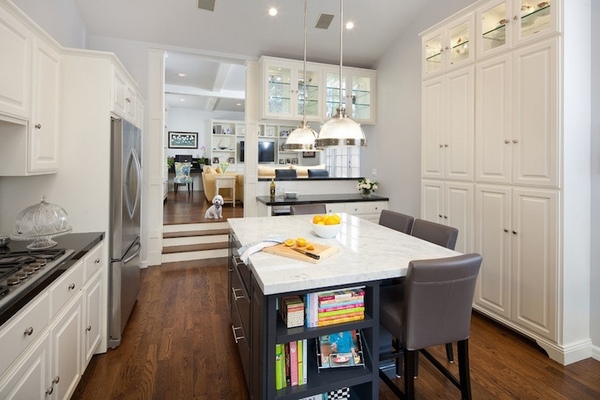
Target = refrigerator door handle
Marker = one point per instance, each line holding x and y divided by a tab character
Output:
134	255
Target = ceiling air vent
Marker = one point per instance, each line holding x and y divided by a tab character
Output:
207	5
324	21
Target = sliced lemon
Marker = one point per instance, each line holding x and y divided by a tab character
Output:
289	242
310	246
301	242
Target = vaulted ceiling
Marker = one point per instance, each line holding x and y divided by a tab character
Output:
211	46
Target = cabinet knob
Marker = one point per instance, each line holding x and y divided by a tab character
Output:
97	261
38	126
57	379
506	230
445	217
440	215
89	328
515	141
50	390
514	232
71	286
514	18
506	141
127	99
441	145
446	145
28	331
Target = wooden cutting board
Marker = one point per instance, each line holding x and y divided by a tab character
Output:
285	251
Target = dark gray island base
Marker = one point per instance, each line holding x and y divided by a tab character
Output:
351	203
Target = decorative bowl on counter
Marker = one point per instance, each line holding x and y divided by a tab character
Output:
326	231
291	195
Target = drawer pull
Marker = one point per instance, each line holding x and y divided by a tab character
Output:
235	296
235	337
71	286
28	331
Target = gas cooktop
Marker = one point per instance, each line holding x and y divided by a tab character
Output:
20	270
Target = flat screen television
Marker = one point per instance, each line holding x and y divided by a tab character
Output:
266	151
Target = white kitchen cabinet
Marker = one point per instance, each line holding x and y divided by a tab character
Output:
450	203
369	210
284	95
448	126
502	25
15	64
124	96
358	93
516	117
29	99
448	47
30	376
516	233
92	312
66	336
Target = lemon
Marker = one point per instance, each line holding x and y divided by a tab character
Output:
329	220
301	242
289	242
336	218
310	246
317	218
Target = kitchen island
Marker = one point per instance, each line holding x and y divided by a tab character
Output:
368	254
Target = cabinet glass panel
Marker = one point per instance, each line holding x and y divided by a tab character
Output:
332	95
493	27
279	90
433	54
459	43
534	18
311	96
361	97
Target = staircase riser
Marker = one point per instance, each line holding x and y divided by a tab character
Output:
194	255
182	241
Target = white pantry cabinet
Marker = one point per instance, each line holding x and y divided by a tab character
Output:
516	230
505	24
531	168
448	125
516	117
29	99
124	97
450	203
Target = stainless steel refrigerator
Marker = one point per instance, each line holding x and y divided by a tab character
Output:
126	194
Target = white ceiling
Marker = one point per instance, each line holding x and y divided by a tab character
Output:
238	30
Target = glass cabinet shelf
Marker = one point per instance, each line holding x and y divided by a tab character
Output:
531	22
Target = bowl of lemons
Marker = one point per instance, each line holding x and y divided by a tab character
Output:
327	226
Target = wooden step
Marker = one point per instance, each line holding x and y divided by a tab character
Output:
180	234
186	242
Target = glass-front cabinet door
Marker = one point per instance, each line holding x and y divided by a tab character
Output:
358	93
285	94
503	24
448	47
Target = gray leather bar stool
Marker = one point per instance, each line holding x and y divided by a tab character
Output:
432	308
442	235
397	221
315	208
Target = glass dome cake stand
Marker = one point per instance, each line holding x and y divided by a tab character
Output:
40	223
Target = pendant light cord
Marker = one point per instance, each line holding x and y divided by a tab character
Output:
341	46
304	66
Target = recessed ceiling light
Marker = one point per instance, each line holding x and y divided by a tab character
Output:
238	104
182	74
272	11
182	100
349	25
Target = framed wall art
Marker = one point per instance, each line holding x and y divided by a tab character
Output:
183	140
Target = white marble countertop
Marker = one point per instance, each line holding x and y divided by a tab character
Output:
367	252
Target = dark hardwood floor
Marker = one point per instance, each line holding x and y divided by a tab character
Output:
186	207
178	345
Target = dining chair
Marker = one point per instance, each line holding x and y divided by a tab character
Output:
432	308
397	221
182	175
441	235
318	173
315	208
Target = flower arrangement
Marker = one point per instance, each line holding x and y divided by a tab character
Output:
366	186
224	166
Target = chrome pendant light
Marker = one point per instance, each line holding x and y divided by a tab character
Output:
303	137
340	130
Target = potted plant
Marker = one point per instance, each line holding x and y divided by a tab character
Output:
366	187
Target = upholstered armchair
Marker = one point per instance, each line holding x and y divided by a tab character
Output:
182	175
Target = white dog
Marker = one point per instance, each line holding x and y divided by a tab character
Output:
216	210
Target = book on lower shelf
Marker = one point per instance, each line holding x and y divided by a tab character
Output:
339	350
334	307
291	367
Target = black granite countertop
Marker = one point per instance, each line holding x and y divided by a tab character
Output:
81	243
319	198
